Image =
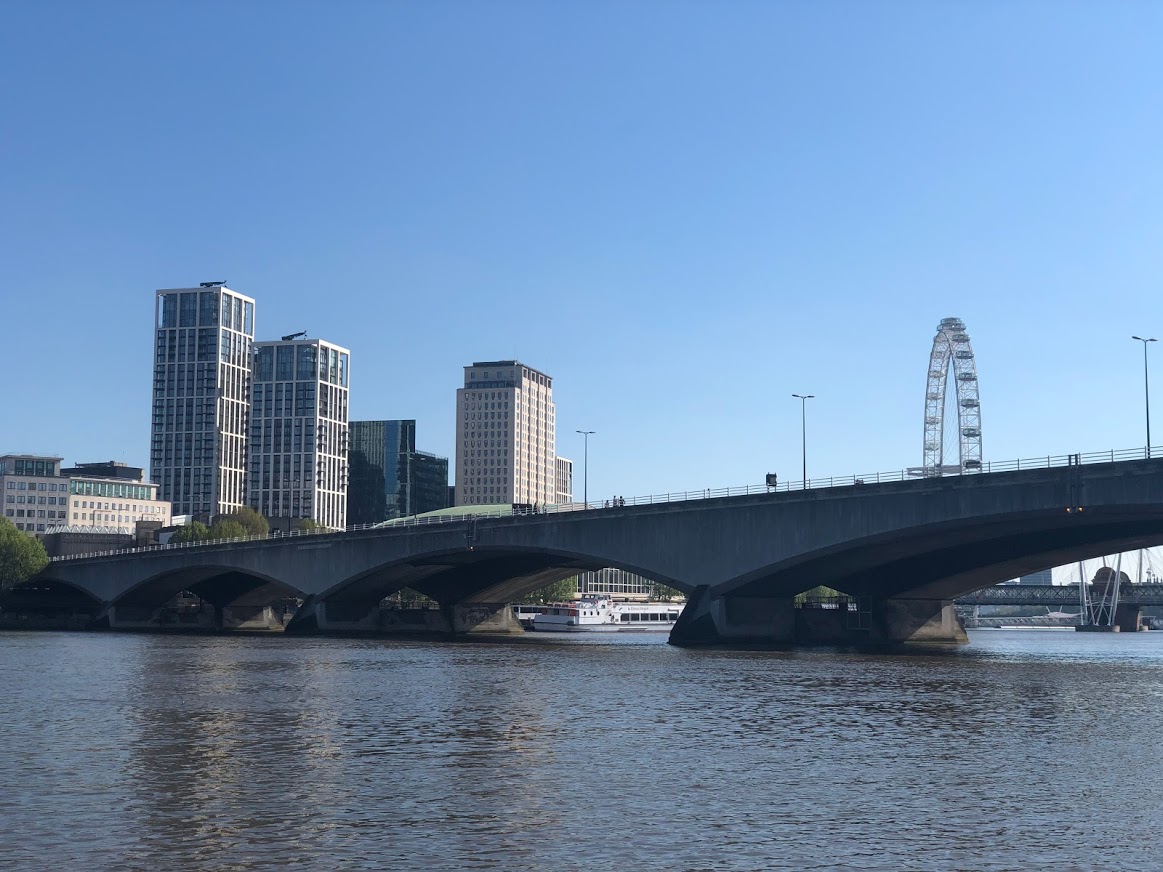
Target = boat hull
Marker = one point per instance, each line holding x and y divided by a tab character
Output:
601	628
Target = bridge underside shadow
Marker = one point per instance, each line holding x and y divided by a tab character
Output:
902	588
235	600
474	589
45	603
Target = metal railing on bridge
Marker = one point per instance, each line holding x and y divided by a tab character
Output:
484	510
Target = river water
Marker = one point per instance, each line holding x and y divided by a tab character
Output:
1024	750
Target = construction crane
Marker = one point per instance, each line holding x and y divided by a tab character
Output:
300	335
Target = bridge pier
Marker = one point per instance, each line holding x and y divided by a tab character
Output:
455	619
919	622
248	618
138	617
776	621
130	618
323	616
483	618
1128	618
708	620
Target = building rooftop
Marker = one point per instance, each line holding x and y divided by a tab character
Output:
503	364
113	469
304	341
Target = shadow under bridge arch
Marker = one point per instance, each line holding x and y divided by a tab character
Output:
482	574
221	586
950	559
45	594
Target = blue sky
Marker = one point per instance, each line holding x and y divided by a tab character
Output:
684	212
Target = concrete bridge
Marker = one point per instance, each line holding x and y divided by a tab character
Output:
907	548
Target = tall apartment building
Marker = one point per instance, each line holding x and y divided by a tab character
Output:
389	477
563	481
298	448
35	496
201	397
505	444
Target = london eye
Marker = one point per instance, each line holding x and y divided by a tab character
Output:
951	361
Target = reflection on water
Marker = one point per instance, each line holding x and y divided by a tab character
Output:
1024	750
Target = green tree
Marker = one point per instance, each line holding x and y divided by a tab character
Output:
251	521
819	592
227	528
660	592
309	525
21	556
559	591
195	531
410	599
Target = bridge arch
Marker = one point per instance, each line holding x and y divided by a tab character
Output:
485	574
48	593
219	584
948	559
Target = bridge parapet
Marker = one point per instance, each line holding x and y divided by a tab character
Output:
794	488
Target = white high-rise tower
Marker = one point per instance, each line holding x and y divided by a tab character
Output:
299	431
505	425
201	397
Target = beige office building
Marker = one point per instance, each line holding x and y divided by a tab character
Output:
505	426
114	501
40	497
35	496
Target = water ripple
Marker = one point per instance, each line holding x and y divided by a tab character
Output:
1024	750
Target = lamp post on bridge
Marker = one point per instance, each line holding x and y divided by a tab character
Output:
803	398
1146	389
586	434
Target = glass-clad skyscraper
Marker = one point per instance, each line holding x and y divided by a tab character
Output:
389	477
427	483
201	397
299	433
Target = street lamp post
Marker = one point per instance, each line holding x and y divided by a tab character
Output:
586	434
1146	389
803	398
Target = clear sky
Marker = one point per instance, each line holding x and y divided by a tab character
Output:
684	212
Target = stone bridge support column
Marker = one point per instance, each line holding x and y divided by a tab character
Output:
1129	619
324	616
482	618
708	620
250	618
920	622
130	618
321	616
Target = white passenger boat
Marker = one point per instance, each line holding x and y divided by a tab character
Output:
599	614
